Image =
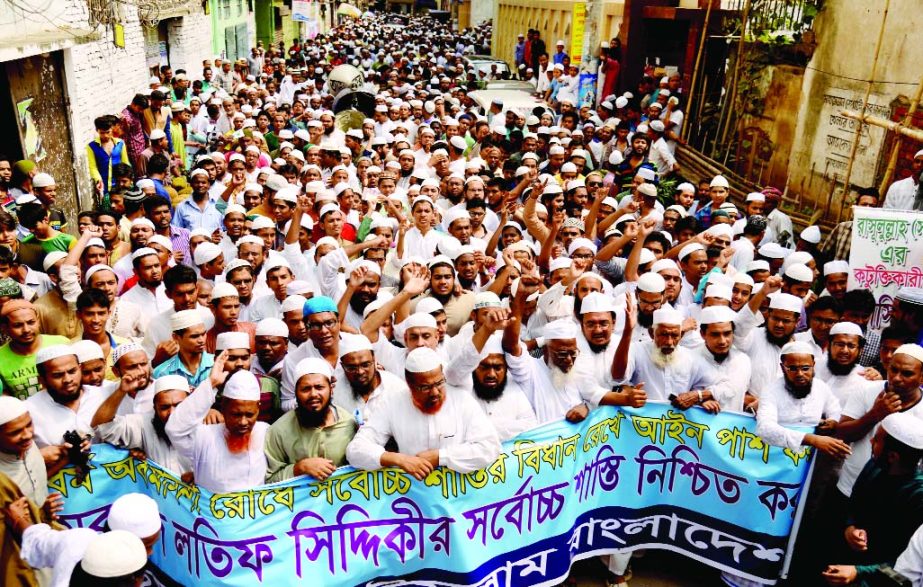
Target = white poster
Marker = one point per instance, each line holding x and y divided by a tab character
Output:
301	11
886	254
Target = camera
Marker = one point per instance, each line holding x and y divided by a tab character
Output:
77	457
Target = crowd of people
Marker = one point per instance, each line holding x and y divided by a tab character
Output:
260	294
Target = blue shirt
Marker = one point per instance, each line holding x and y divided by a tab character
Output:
188	215
558	58
174	366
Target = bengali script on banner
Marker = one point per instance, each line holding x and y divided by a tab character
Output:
702	485
886	254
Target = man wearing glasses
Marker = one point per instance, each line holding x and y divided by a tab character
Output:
431	424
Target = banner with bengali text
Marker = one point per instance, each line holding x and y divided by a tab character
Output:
886	254
702	485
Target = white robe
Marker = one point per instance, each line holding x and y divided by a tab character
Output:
52	420
735	369
779	409
683	374
137	431
215	467
362	410
59	550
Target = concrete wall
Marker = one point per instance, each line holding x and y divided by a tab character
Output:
62	24
190	43
846	37
551	17
482	10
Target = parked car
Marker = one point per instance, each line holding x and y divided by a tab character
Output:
484	63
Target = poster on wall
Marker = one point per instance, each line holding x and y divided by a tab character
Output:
578	26
301	11
31	140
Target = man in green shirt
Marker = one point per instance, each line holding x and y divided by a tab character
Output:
19	321
312	438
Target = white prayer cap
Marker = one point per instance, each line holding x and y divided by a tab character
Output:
597	302
232	340
261	222
832	267
206	252
53	352
432	305
686	187
667	315
185	319
918	154
678	209
849	328
743	278
721	230
758	265
773	251
646	174
355	344
143	252
418	320
756	197
562	329
784	301
158	134
237	208
275	263
159	239
289	194
664	265
203	232
647	189
42	180
123	349
135	513
251	239
486	299
719	181
652	282
242	385
716	314
293	303
797	347
371	266
580	243
327	209
905	428
616	158
799	257
87	350
144	183
224	290
911	350
53	257
91	271
114	554
271	327
811	234
689	249
800	272
142	221
171	383
717	290
559	263
312	366
422	360
11	408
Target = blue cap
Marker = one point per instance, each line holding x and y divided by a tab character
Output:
319	304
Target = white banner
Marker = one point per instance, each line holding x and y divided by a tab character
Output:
886	254
301	11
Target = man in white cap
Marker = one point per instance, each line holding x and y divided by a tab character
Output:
225	307
598	320
117	557
840	368
209	260
92	362
145	431
362	289
799	399
191	360
312	438
716	326
363	386
227	456
649	296
903	193
667	370
181	288
148	293
64	404
20	458
836	279
271	350
763	345
45	189
198	210
61	551
278	274
431	425
886	508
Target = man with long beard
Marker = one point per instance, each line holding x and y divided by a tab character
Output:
650	296
666	369
553	384
364	384
800	399
227	456
598	317
479	366
312	438
146	432
432	426
840	369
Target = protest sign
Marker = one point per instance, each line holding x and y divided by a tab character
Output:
702	485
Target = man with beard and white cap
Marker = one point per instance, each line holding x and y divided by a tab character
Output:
840	368
61	551
763	345
227	456
553	383
20	458
479	367
361	386
666	369
433	426
599	318
650	297
716	326
146	432
312	438
799	399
